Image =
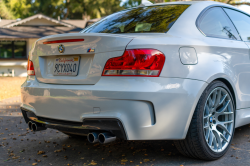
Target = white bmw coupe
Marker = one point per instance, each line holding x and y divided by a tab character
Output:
173	71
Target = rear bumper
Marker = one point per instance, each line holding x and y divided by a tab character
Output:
148	108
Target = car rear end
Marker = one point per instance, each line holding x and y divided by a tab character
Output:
98	81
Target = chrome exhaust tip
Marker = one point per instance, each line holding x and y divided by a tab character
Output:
30	125
93	137
34	127
106	138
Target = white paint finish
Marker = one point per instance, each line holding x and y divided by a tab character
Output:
173	96
248	44
100	42
106	46
242	117
30	44
188	56
218	58
96	110
90	69
135	101
245	8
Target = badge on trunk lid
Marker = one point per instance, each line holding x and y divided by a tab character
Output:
91	50
61	48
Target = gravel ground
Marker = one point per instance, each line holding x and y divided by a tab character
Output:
18	146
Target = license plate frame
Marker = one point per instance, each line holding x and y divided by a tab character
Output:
66	66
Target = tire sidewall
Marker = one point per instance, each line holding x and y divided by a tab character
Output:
200	109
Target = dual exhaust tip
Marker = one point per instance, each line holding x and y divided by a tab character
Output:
103	138
93	137
35	126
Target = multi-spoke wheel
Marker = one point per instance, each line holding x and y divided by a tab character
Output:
212	126
218	119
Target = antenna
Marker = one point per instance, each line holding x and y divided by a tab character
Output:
145	3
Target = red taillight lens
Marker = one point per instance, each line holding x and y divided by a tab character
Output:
136	62
30	68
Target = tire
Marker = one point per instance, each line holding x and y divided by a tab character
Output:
198	143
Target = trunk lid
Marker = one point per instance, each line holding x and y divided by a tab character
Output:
91	63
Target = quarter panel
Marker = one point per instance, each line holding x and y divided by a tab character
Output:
217	58
242	117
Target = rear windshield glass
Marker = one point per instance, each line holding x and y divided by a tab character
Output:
157	19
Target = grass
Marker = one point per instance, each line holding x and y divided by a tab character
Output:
10	87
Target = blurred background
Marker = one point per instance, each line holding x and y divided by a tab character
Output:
77	9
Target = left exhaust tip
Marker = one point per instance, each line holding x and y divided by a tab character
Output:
93	137
34	127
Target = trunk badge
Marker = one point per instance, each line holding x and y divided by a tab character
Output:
91	50
61	48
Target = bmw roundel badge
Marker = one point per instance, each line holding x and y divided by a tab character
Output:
211	119
61	48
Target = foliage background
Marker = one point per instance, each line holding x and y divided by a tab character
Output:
72	9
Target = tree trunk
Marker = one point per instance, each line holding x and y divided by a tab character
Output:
67	6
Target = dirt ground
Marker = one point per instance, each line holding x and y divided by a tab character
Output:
10	86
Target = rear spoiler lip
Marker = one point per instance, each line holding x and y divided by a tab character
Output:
63	41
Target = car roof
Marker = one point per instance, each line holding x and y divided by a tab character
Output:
190	2
198	4
195	3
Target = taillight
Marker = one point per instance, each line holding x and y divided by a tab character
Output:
30	68
136	62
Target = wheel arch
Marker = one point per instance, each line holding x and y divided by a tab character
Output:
230	87
220	77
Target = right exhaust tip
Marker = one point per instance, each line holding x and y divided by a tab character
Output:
30	125
106	138
93	137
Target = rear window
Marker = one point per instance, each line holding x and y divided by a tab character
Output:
157	19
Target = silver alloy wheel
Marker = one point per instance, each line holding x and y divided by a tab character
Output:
218	119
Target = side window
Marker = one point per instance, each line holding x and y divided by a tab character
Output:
242	23
215	23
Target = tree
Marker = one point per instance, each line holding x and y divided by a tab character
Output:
86	9
51	8
18	8
73	9
5	13
131	3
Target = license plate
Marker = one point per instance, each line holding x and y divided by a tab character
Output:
66	66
